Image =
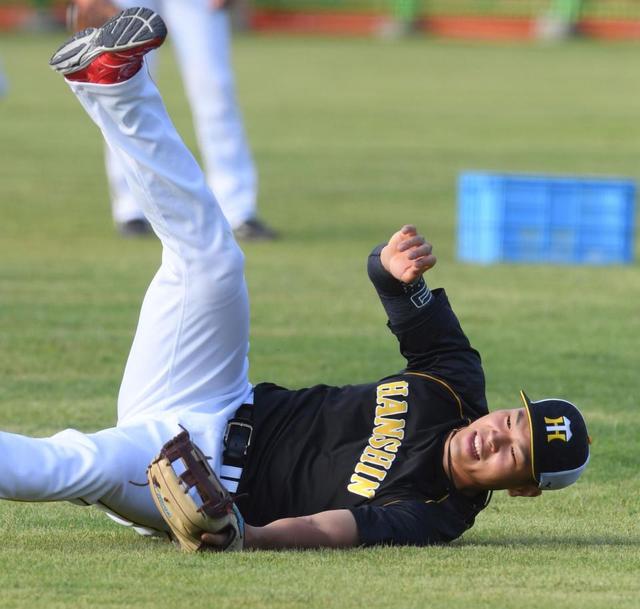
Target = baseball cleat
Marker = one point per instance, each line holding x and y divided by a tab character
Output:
113	52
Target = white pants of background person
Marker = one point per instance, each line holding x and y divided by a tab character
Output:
3	82
188	363
201	37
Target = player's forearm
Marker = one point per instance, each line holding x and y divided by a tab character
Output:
402	303
334	529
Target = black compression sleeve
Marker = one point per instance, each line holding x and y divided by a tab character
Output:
402	302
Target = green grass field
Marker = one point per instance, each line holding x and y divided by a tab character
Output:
352	139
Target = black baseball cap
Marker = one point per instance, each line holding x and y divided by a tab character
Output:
559	442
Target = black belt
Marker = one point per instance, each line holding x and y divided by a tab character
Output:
237	439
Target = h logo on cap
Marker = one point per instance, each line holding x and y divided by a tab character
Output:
558	429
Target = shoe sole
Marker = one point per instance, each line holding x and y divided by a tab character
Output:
132	28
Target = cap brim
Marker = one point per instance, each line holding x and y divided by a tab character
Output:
527	405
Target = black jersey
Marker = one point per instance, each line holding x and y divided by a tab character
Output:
376	448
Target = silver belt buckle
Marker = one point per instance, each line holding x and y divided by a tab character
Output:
227	431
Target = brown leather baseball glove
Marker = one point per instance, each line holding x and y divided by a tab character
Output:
191	498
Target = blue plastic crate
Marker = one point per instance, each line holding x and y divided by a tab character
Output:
545	219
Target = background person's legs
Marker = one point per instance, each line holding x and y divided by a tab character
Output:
202	39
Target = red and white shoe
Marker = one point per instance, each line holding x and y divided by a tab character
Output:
112	53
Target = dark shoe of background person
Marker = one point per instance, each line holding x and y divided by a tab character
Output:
135	228
254	230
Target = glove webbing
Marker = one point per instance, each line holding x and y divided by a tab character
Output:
214	504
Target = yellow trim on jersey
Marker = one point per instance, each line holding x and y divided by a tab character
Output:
426	500
443	498
437	380
526	408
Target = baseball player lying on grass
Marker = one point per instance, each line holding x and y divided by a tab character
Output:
408	459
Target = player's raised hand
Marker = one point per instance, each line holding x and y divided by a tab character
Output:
407	255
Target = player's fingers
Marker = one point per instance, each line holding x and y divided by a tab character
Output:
408	229
425	262
213	541
407	244
422	249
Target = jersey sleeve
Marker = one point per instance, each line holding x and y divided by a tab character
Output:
415	523
430	336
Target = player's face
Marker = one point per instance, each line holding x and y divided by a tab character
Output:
494	452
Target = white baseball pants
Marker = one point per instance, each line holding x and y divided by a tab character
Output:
188	364
3	82
202	41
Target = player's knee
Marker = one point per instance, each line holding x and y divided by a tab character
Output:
218	272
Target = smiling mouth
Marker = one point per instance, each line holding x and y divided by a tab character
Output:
476	446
